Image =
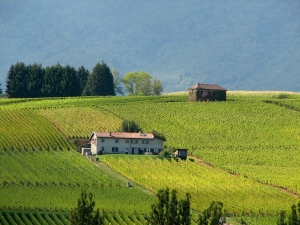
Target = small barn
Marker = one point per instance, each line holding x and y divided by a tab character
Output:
181	153
206	92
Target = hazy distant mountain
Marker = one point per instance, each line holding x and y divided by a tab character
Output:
240	45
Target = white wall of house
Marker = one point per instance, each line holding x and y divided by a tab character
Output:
126	146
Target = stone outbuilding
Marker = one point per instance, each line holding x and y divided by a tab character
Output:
206	92
181	153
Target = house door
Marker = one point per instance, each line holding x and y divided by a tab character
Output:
141	151
132	150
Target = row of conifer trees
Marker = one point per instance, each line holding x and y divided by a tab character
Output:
34	81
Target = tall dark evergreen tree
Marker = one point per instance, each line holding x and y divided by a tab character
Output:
10	82
184	210
294	219
0	90
82	75
100	81
36	77
17	81
84	213
52	81
168	211
282	218
70	85
213	215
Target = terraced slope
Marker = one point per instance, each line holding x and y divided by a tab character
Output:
80	122
206	184
253	136
54	180
25	128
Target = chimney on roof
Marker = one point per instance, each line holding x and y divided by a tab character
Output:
198	85
109	133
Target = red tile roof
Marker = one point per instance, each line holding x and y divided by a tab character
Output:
207	87
123	135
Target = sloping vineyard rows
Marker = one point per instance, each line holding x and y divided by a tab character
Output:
278	166
19	217
205	185
292	104
40	103
218	124
12	101
254	119
229	134
27	129
50	179
261	95
53	197
46	167
35	217
80	122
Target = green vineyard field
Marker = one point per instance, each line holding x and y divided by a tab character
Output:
27	129
204	183
25	217
38	217
73	123
252	142
54	179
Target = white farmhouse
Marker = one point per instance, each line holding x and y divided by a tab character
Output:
125	143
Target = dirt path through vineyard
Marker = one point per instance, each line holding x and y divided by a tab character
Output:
118	176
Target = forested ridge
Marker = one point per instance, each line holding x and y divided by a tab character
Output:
244	45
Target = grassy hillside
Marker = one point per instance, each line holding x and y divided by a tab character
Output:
254	136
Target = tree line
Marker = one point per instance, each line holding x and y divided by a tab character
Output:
167	210
32	81
292	218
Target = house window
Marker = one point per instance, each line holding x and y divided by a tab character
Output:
102	149
114	149
134	141
145	142
102	139
116	140
127	141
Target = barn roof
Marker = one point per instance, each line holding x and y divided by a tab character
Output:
120	135
207	87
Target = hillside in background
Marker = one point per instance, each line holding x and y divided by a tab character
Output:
241	45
